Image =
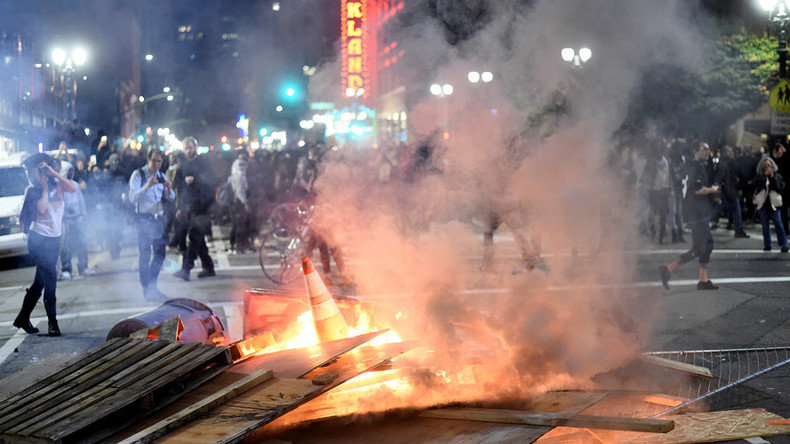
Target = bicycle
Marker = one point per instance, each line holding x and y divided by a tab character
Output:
285	243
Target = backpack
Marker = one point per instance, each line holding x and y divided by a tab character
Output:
225	195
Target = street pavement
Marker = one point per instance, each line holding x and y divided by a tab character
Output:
749	310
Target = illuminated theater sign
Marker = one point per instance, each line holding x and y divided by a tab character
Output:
355	39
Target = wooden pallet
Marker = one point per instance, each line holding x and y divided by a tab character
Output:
107	388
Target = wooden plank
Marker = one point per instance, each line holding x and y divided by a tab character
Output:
261	405
174	421
694	370
287	363
67	368
553	419
298	361
718	426
160	398
41	402
241	350
60	378
116	393
99	389
169	330
400	426
231	420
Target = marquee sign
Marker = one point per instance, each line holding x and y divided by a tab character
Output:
355	39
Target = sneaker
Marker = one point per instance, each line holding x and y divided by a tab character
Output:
784	249
707	285
206	273
663	271
65	276
768	248
87	272
182	274
741	235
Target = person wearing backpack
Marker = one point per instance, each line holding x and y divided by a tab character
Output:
42	220
148	191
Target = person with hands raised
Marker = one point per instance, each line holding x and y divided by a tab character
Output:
42	220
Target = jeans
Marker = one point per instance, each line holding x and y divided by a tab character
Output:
74	244
768	214
45	251
151	237
733	207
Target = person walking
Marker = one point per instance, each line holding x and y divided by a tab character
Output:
768	187
148	190
696	212
42	218
195	187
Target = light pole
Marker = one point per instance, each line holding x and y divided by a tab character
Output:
68	64
778	14
443	91
576	58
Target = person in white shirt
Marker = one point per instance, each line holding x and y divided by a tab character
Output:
42	219
148	188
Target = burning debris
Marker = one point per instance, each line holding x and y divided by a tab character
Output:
320	365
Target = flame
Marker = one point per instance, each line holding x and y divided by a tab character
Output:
301	333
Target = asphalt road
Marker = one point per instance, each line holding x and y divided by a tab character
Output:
749	310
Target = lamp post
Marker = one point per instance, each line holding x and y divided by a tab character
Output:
68	63
778	14
443	91
574	57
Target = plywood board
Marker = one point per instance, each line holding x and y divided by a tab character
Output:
723	425
298	361
552	419
262	404
401	426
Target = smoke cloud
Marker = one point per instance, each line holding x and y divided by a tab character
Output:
531	146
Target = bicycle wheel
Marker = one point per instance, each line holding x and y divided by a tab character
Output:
280	255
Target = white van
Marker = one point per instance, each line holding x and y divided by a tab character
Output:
13	181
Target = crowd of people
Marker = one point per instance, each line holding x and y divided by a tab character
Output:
681	184
171	200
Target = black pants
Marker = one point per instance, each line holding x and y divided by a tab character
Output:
197	247
45	251
152	243
701	243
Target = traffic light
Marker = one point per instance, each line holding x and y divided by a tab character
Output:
223	139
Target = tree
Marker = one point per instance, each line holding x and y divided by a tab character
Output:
741	68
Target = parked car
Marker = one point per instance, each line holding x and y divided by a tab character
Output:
13	181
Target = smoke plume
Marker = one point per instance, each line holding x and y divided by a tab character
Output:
531	147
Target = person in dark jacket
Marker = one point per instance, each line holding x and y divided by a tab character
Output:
696	213
195	189
727	177
768	188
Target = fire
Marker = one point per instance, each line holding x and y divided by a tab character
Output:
302	333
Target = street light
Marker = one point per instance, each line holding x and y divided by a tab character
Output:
441	90
778	15
576	58
68	64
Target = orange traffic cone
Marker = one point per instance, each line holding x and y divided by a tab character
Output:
329	322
